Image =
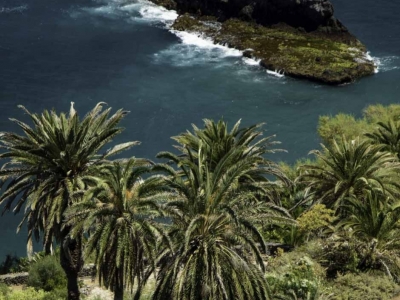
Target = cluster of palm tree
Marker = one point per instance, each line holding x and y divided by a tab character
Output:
360	181
193	220
198	221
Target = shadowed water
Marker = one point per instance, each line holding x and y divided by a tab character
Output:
121	52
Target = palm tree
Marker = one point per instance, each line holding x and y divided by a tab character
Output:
218	248
45	168
350	169
118	213
388	135
216	141
375	225
208	266
218	144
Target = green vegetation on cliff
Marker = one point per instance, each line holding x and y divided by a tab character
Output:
313	56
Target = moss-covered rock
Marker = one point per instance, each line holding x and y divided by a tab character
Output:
315	56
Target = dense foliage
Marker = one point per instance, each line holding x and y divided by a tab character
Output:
47	274
218	218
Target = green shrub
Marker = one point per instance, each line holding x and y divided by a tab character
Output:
295	277
47	274
14	264
380	113
342	125
58	294
27	294
4	290
364	286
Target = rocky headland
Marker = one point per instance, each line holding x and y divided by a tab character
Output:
300	38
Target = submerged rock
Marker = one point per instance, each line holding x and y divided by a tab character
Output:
300	38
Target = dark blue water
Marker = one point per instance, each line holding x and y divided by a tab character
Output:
53	52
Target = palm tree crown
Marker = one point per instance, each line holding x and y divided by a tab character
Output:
218	144
375	225
350	169
118	213
388	135
216	141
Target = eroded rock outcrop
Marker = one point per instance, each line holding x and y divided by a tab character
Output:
308	14
300	38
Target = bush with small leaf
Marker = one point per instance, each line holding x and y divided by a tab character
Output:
364	286
4	290
295	277
26	294
47	274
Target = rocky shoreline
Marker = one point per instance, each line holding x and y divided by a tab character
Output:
299	38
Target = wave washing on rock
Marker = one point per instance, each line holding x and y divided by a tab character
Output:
186	53
190	41
316	46
387	63
194	48
150	12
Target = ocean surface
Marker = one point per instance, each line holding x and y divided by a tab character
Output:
122	52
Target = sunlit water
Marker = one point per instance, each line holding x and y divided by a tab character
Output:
123	53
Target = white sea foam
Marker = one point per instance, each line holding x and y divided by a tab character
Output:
370	58
198	40
142	11
157	13
131	7
103	10
195	49
251	61
277	73
382	64
386	63
8	10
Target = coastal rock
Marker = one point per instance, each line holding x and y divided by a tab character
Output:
287	50
298	38
307	14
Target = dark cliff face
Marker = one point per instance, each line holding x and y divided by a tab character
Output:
308	14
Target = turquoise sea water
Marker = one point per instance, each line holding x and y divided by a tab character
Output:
122	52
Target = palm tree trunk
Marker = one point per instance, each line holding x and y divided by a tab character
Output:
48	248
119	293
71	262
119	285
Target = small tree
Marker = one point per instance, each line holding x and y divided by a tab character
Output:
118	214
